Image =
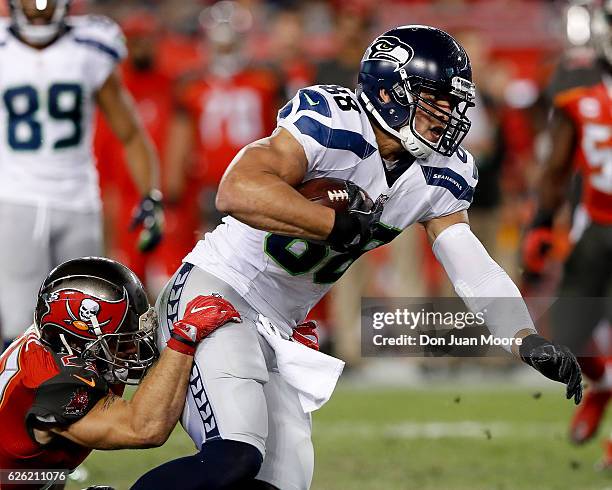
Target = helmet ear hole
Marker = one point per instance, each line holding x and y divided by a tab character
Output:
384	96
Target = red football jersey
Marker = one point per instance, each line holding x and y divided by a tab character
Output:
38	389
229	113
153	94
590	109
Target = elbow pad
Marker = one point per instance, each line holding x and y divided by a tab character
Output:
482	284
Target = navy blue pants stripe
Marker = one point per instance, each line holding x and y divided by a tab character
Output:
196	386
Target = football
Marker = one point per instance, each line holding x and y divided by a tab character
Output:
331	193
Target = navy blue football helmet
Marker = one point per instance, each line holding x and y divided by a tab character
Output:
408	62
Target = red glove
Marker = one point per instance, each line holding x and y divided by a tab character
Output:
538	244
306	333
536	249
204	314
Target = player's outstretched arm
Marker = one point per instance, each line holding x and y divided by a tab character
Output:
258	189
557	163
485	287
120	112
147	419
181	141
142	422
553	183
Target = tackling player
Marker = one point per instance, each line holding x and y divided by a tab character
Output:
278	253
94	333
581	129
54	69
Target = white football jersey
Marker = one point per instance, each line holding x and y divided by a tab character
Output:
47	107
283	277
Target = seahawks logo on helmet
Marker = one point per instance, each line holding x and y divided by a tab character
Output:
389	48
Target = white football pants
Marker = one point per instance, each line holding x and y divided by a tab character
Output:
235	391
33	240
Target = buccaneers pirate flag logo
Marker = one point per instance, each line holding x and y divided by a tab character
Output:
84	315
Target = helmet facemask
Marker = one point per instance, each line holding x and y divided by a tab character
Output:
39	34
454	123
125	357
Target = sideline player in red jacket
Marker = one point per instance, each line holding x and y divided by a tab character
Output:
93	334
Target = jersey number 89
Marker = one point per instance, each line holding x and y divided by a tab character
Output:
25	132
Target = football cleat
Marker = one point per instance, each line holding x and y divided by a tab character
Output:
588	416
605	463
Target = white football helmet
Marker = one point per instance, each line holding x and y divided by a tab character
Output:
34	33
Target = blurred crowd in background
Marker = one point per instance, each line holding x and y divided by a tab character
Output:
209	77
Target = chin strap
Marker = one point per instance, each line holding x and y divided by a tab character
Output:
66	344
414	146
409	141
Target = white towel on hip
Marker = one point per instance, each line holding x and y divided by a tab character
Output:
313	374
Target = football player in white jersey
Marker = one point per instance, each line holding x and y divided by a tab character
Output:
53	71
277	253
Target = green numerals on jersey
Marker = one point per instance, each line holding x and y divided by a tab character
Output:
298	256
23	104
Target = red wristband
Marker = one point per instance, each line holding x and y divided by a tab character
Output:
182	347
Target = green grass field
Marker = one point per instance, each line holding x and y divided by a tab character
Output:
442	439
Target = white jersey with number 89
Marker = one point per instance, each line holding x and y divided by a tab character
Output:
47	105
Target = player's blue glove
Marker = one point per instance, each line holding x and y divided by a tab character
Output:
554	361
354	227
149	214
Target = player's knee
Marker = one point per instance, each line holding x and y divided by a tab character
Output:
220	465
261	485
233	463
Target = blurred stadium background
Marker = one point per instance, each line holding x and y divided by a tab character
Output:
209	77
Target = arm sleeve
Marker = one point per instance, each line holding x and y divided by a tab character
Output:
482	284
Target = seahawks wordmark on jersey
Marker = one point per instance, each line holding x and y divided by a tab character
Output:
282	277
46	113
